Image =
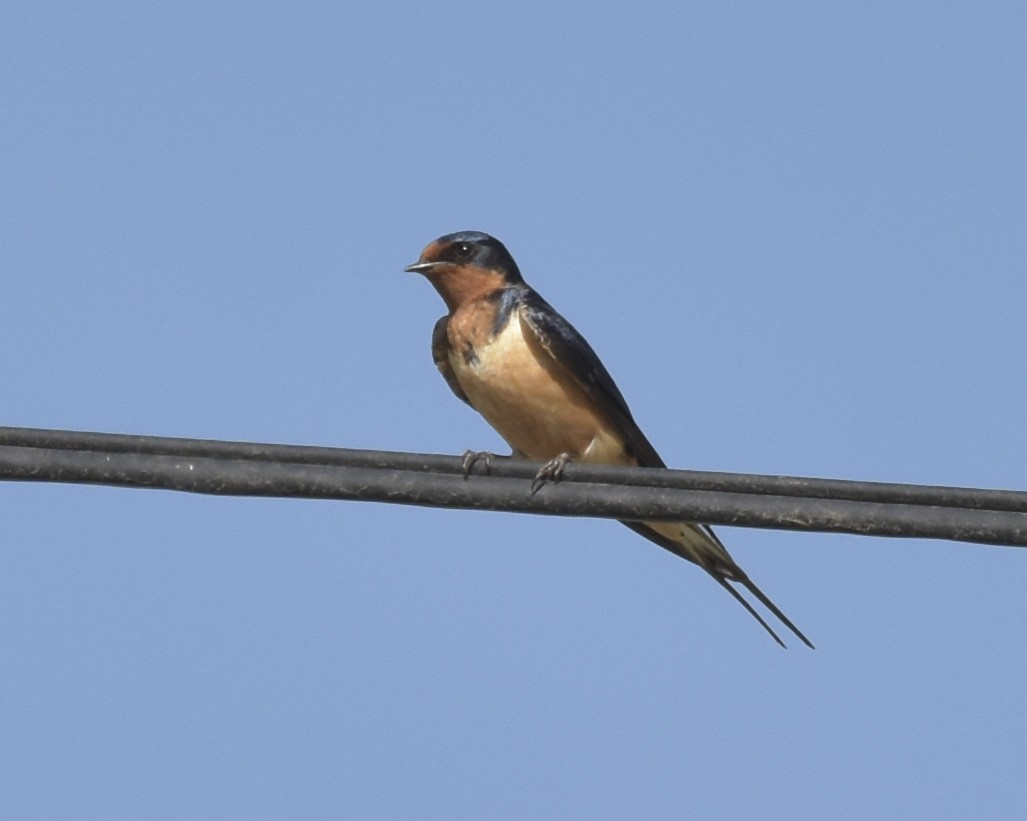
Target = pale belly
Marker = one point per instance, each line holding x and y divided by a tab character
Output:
533	403
541	412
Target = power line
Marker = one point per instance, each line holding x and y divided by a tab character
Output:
254	469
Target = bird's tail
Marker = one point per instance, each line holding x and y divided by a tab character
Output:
699	544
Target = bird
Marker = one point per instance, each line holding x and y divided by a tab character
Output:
508	354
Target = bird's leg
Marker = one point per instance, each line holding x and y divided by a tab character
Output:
472	457
551	471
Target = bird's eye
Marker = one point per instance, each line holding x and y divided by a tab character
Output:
462	251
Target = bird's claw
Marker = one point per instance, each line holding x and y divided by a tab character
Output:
472	457
551	471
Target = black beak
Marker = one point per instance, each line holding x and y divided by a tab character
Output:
421	267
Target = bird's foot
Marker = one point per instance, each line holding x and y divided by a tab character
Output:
551	471
472	457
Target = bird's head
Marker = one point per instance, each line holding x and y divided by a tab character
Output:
467	265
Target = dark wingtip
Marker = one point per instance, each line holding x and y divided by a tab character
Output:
724	575
773	608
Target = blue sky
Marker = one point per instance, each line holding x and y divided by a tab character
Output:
795	234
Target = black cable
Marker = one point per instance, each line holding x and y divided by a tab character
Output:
503	467
251	469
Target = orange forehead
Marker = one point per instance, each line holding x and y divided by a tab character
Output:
433	251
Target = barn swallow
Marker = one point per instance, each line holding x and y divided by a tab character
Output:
507	353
